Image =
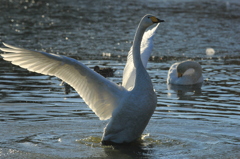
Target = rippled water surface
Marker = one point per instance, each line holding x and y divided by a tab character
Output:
38	120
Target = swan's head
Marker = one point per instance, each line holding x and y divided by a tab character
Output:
149	20
190	68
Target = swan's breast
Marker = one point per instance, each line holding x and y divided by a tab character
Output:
131	117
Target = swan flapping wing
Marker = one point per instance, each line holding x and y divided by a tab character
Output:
101	95
129	73
147	44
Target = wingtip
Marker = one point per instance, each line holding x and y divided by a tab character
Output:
10	46
7	45
4	44
2	48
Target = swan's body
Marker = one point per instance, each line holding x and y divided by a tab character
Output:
185	73
129	106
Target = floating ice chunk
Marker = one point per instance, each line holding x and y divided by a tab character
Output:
210	51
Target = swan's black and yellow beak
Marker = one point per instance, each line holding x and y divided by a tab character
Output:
156	20
179	75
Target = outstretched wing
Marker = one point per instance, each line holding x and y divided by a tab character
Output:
129	73
101	95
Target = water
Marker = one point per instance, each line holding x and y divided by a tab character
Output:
38	120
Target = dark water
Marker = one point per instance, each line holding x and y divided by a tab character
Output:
37	120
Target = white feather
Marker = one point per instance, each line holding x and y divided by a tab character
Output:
192	74
130	109
99	94
129	73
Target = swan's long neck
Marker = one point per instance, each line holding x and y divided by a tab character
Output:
136	46
142	80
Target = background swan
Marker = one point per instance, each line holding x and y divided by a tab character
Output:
185	73
129	106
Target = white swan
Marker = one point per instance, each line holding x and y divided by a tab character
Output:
129	106
185	73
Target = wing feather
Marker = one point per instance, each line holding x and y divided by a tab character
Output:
101	95
129	73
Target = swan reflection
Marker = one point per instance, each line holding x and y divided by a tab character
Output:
186	91
134	150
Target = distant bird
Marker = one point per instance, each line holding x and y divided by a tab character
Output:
129	107
185	73
105	72
67	88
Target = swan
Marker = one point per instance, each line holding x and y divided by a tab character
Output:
185	73
128	107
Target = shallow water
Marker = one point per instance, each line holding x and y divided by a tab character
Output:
38	120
